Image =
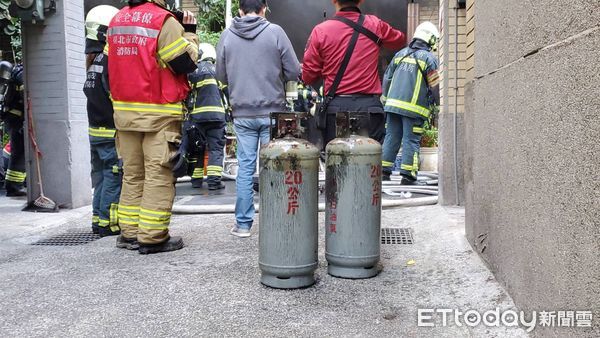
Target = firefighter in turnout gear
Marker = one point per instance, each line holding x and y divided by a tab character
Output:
106	172
150	52
207	112
410	89
307	98
12	110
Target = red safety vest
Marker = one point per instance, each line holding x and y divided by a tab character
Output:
137	80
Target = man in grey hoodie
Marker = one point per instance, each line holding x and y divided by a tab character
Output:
255	59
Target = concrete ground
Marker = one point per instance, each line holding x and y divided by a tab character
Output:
211	288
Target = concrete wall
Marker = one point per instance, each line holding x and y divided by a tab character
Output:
55	73
533	178
452	48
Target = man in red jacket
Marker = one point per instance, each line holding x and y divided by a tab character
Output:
360	87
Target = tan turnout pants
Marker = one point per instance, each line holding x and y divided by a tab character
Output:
148	183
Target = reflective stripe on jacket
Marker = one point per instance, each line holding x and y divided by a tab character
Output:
405	87
99	106
138	77
205	103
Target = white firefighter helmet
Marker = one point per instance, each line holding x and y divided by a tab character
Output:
97	21
207	51
427	32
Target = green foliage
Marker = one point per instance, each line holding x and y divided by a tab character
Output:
211	17
430	137
209	37
11	27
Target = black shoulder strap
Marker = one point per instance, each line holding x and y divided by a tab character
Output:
359	28
345	61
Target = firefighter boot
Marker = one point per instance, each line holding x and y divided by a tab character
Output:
385	175
127	243
172	244
196	183
408	180
109	231
214	183
15	191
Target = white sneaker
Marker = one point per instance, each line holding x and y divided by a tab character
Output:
239	232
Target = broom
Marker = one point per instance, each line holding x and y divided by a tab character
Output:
42	203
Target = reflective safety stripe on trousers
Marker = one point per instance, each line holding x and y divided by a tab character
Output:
169	108
214	170
15	176
128	215
154	220
387	164
198	173
102	132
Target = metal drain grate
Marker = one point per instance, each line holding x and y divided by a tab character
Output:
69	239
396	236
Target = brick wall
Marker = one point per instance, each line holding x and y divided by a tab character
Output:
429	11
448	69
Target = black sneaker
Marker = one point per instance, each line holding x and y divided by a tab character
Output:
107	231
386	177
95	229
172	244
127	243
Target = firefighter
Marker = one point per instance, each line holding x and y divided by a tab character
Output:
307	97
106	172
411	90
207	112
150	52
13	107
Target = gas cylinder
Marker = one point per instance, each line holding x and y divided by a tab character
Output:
288	232
353	200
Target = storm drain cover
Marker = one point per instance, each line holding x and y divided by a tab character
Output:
69	239
396	236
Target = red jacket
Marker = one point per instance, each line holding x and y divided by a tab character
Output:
134	72
328	43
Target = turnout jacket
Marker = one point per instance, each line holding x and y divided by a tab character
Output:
150	55
410	80
205	103
99	106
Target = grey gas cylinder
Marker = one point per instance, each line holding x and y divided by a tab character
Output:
353	202
288	233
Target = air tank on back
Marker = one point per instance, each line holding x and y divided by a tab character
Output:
289	178
353	200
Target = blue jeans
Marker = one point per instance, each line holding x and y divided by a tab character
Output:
405	131
249	132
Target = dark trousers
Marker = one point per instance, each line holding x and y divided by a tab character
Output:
106	180
406	132
369	104
214	135
15	174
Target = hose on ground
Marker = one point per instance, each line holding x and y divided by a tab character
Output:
230	208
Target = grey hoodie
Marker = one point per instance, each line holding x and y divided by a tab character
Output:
255	58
